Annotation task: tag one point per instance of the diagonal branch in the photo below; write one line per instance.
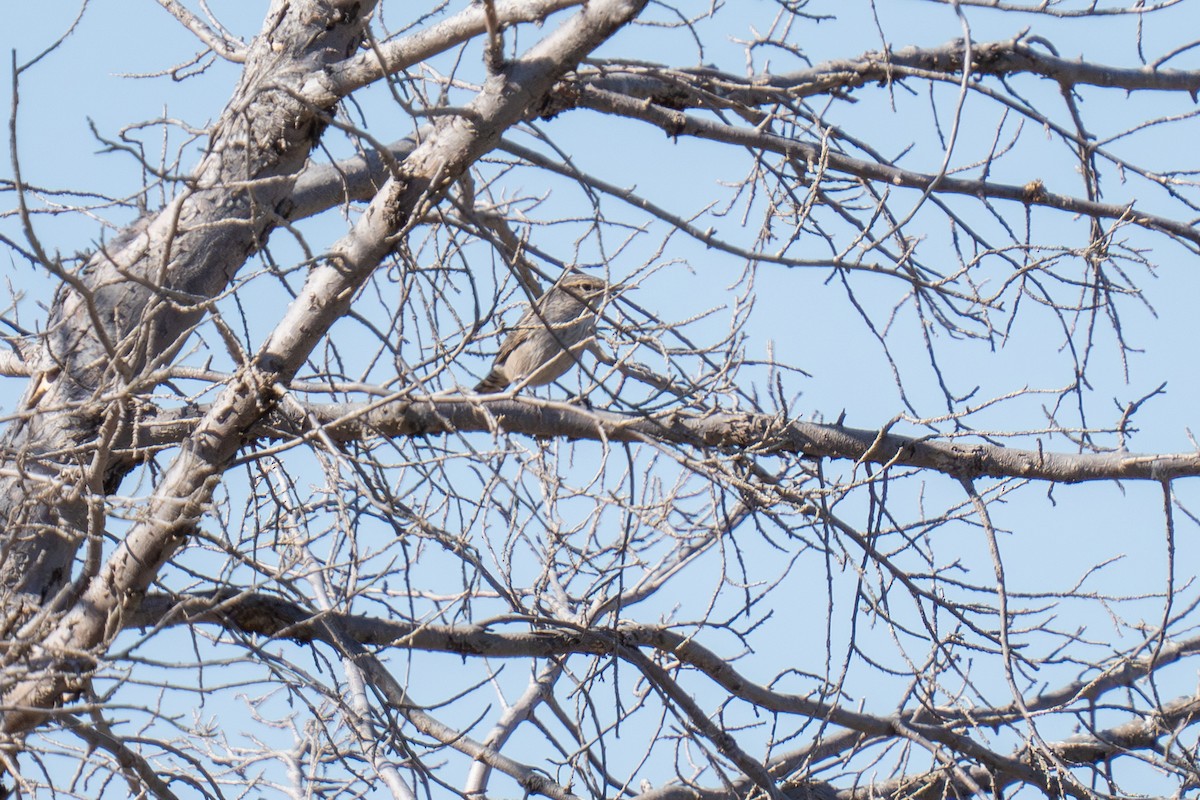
(1033, 193)
(139, 297)
(186, 489)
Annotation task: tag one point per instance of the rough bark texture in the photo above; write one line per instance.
(711, 592)
(186, 489)
(136, 300)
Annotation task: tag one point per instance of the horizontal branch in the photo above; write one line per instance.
(701, 87)
(747, 432)
(185, 489)
(1018, 56)
(1001, 59)
(276, 617)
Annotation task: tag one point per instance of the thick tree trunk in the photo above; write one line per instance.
(184, 491)
(138, 298)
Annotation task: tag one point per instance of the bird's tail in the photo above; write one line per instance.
(494, 382)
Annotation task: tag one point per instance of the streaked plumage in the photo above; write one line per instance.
(550, 337)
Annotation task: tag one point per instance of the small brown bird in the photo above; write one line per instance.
(551, 335)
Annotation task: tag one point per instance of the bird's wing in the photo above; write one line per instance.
(517, 334)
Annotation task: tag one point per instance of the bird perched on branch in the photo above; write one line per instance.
(551, 336)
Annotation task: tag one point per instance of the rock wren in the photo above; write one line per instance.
(551, 336)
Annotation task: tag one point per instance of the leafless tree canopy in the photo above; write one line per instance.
(876, 482)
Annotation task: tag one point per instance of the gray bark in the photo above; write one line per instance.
(137, 299)
(183, 494)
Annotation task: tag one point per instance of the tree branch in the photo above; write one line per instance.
(182, 497)
(1033, 193)
(743, 432)
(278, 618)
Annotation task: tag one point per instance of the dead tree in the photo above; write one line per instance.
(838, 504)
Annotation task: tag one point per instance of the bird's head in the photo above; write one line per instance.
(588, 287)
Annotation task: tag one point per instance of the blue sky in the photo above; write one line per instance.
(800, 315)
